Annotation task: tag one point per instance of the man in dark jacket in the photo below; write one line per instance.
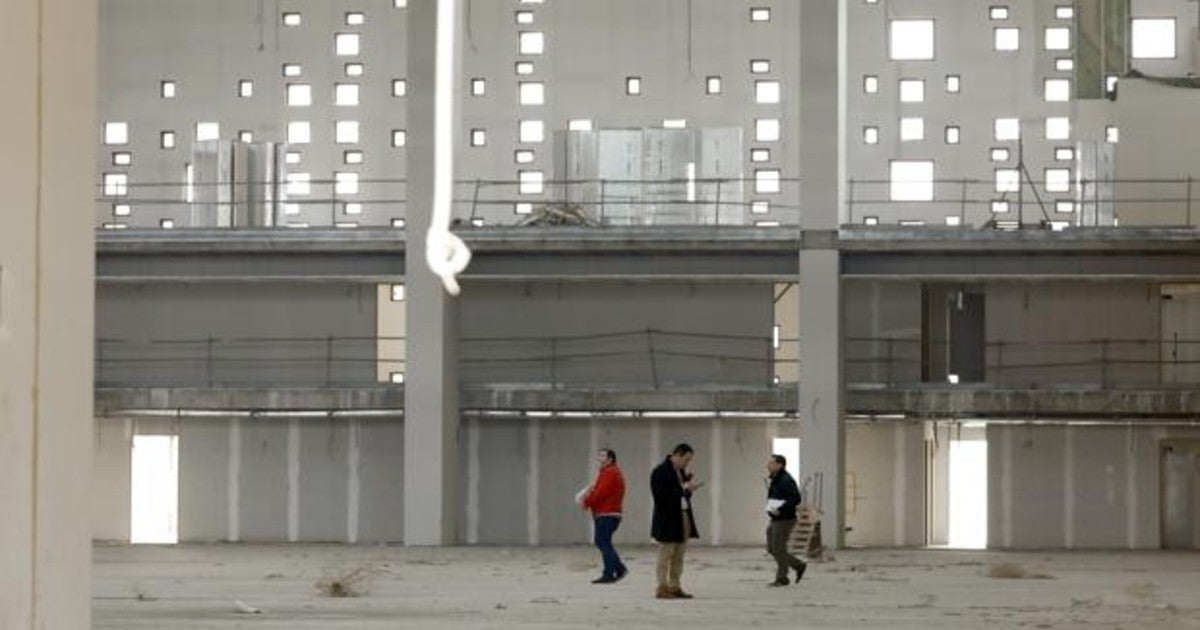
(674, 522)
(783, 497)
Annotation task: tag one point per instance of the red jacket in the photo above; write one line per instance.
(608, 493)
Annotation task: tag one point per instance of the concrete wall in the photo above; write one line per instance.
(1045, 332)
(1040, 321)
(319, 480)
(300, 479)
(1161, 146)
(1080, 487)
(722, 333)
(875, 310)
(207, 47)
(993, 85)
(110, 479)
(521, 476)
(885, 485)
(265, 334)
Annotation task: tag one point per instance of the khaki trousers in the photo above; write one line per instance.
(670, 558)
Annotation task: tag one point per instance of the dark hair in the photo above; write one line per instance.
(683, 449)
(609, 453)
(780, 459)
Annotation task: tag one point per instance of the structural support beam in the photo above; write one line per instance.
(431, 397)
(46, 286)
(822, 170)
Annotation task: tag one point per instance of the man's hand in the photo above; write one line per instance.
(774, 512)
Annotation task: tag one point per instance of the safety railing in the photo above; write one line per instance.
(647, 358)
(218, 361)
(1012, 203)
(1103, 362)
(761, 202)
(528, 201)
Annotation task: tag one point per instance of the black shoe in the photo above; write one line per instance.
(605, 579)
(780, 582)
(800, 571)
(622, 572)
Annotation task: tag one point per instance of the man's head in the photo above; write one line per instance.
(681, 456)
(776, 463)
(606, 456)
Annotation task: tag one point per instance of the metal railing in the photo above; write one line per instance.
(960, 203)
(477, 203)
(648, 358)
(981, 203)
(1104, 362)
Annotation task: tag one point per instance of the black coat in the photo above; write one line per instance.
(667, 489)
(783, 487)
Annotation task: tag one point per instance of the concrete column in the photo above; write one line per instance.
(822, 173)
(47, 121)
(431, 457)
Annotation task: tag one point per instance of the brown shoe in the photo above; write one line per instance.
(664, 593)
(679, 594)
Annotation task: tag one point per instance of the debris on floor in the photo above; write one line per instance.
(352, 582)
(246, 609)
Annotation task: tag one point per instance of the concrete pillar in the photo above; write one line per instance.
(431, 457)
(822, 173)
(48, 126)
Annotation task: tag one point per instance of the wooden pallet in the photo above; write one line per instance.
(806, 536)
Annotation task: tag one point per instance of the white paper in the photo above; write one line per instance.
(582, 494)
(774, 504)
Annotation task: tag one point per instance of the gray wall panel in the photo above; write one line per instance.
(503, 482)
(137, 319)
(1099, 482)
(563, 459)
(381, 480)
(110, 479)
(542, 310)
(264, 481)
(323, 480)
(203, 480)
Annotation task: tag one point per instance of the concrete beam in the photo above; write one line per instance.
(976, 401)
(682, 253)
(908, 401)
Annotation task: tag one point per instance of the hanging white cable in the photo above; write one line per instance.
(446, 254)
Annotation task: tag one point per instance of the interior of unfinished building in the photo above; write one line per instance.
(315, 313)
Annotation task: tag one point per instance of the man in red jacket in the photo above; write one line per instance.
(604, 499)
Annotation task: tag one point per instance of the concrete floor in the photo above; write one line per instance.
(196, 587)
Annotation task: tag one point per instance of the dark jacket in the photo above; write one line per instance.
(666, 486)
(784, 487)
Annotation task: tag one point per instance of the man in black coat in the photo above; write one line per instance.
(783, 497)
(674, 522)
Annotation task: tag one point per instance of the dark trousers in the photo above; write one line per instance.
(778, 533)
(606, 526)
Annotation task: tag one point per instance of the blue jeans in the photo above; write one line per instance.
(606, 526)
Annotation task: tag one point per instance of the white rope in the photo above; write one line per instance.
(446, 253)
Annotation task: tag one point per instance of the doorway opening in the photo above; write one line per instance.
(154, 490)
(968, 493)
(789, 448)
